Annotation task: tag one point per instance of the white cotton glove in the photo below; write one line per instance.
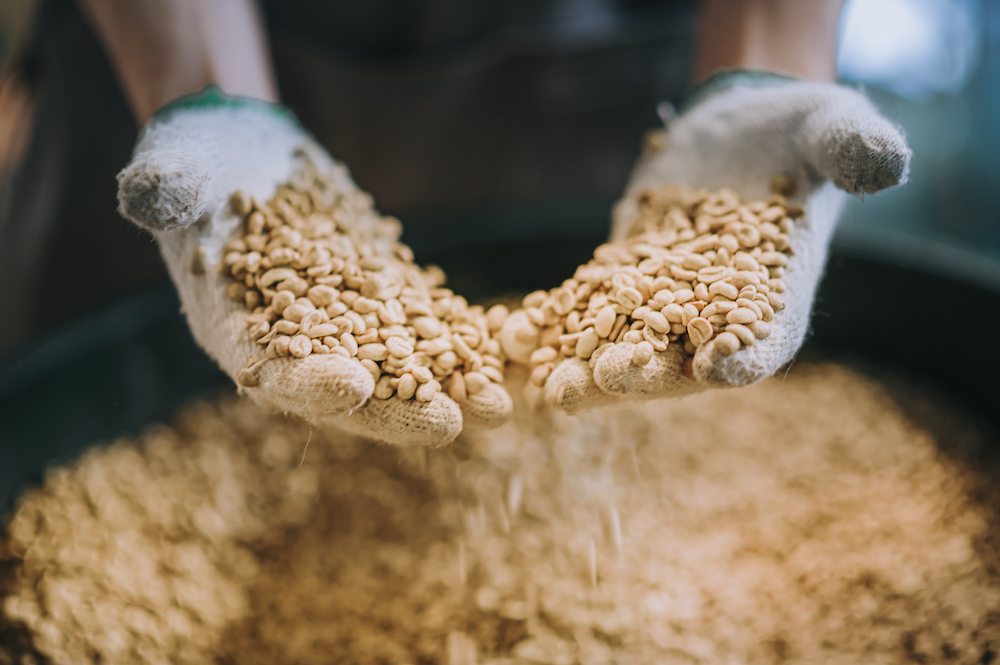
(741, 130)
(190, 158)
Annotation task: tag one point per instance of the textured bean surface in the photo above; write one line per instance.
(692, 255)
(801, 521)
(307, 273)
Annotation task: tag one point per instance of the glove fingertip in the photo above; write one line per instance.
(489, 408)
(662, 375)
(163, 190)
(867, 158)
(406, 423)
(314, 387)
(748, 365)
(571, 387)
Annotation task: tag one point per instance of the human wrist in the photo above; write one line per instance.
(164, 49)
(788, 36)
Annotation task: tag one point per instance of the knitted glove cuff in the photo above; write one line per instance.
(726, 79)
(213, 97)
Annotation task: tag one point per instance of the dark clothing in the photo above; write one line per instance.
(451, 103)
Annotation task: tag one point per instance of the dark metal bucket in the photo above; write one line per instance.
(895, 301)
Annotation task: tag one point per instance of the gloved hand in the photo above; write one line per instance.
(190, 159)
(740, 130)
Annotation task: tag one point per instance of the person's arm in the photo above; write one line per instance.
(795, 37)
(162, 49)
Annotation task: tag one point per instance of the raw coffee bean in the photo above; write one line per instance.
(659, 341)
(773, 259)
(322, 330)
(258, 330)
(744, 261)
(629, 298)
(745, 334)
(682, 296)
(724, 289)
(447, 360)
(300, 346)
(657, 322)
(426, 391)
(456, 388)
(492, 373)
(383, 388)
(295, 312)
(422, 374)
(767, 313)
(741, 315)
(245, 376)
(744, 278)
(348, 342)
(475, 382)
(699, 331)
(760, 329)
(643, 354)
(722, 307)
(399, 347)
(633, 337)
(727, 343)
(372, 368)
(587, 344)
(374, 351)
(776, 302)
(619, 326)
(545, 354)
(674, 313)
(407, 386)
(661, 299)
(322, 296)
(495, 317)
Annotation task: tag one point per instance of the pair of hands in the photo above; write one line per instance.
(742, 129)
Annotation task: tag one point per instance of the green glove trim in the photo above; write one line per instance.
(727, 79)
(212, 97)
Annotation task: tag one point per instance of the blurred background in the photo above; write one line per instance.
(481, 122)
(934, 67)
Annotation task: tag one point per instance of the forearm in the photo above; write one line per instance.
(162, 49)
(791, 36)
